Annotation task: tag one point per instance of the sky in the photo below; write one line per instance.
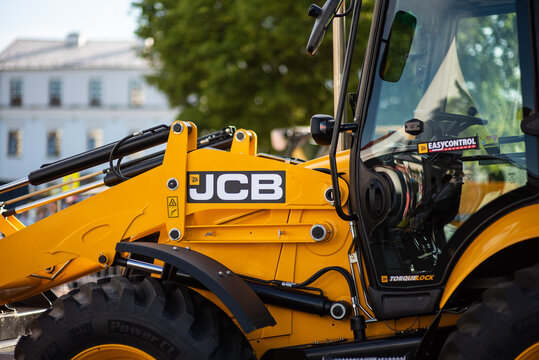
(54, 19)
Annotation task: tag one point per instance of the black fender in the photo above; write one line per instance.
(236, 295)
(432, 340)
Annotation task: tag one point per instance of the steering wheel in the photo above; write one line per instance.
(451, 125)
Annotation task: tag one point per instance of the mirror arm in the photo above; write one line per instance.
(340, 110)
(348, 11)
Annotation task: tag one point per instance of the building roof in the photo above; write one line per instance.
(72, 53)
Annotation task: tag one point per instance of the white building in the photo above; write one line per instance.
(63, 97)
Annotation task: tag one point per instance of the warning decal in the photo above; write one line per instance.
(447, 145)
(172, 206)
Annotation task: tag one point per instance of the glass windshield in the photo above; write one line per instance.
(463, 91)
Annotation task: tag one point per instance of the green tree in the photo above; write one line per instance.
(239, 63)
(489, 58)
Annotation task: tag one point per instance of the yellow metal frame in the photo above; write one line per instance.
(520, 225)
(264, 240)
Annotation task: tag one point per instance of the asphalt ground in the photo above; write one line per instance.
(6, 349)
(7, 355)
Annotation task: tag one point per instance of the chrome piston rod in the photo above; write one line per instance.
(14, 185)
(53, 198)
(39, 192)
(139, 265)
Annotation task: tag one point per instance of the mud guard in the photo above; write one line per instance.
(236, 295)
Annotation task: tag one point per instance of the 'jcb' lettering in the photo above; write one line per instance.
(266, 186)
(244, 187)
(195, 195)
(234, 181)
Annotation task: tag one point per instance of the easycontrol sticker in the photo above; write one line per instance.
(447, 145)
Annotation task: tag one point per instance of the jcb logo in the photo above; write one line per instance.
(242, 187)
(194, 179)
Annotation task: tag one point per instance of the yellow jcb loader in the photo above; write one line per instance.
(419, 241)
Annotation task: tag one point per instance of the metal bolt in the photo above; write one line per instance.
(329, 196)
(103, 258)
(177, 128)
(338, 311)
(220, 273)
(175, 248)
(188, 248)
(240, 135)
(319, 232)
(174, 234)
(229, 273)
(172, 184)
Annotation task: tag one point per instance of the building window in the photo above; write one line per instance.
(95, 92)
(15, 91)
(95, 138)
(53, 143)
(136, 93)
(55, 92)
(14, 143)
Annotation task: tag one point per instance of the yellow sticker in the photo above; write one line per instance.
(71, 178)
(384, 278)
(194, 179)
(172, 206)
(489, 141)
(422, 148)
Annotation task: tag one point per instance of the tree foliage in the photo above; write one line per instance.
(239, 63)
(489, 57)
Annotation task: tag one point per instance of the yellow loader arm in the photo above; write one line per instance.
(82, 238)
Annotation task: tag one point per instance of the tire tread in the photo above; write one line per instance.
(198, 328)
(487, 329)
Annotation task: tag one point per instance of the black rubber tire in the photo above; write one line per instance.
(162, 319)
(502, 325)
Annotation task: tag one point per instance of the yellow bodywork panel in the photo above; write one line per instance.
(10, 225)
(190, 192)
(75, 238)
(520, 225)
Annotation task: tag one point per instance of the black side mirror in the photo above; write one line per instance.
(530, 125)
(398, 46)
(322, 128)
(323, 15)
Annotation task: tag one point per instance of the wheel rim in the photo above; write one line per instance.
(530, 353)
(113, 351)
